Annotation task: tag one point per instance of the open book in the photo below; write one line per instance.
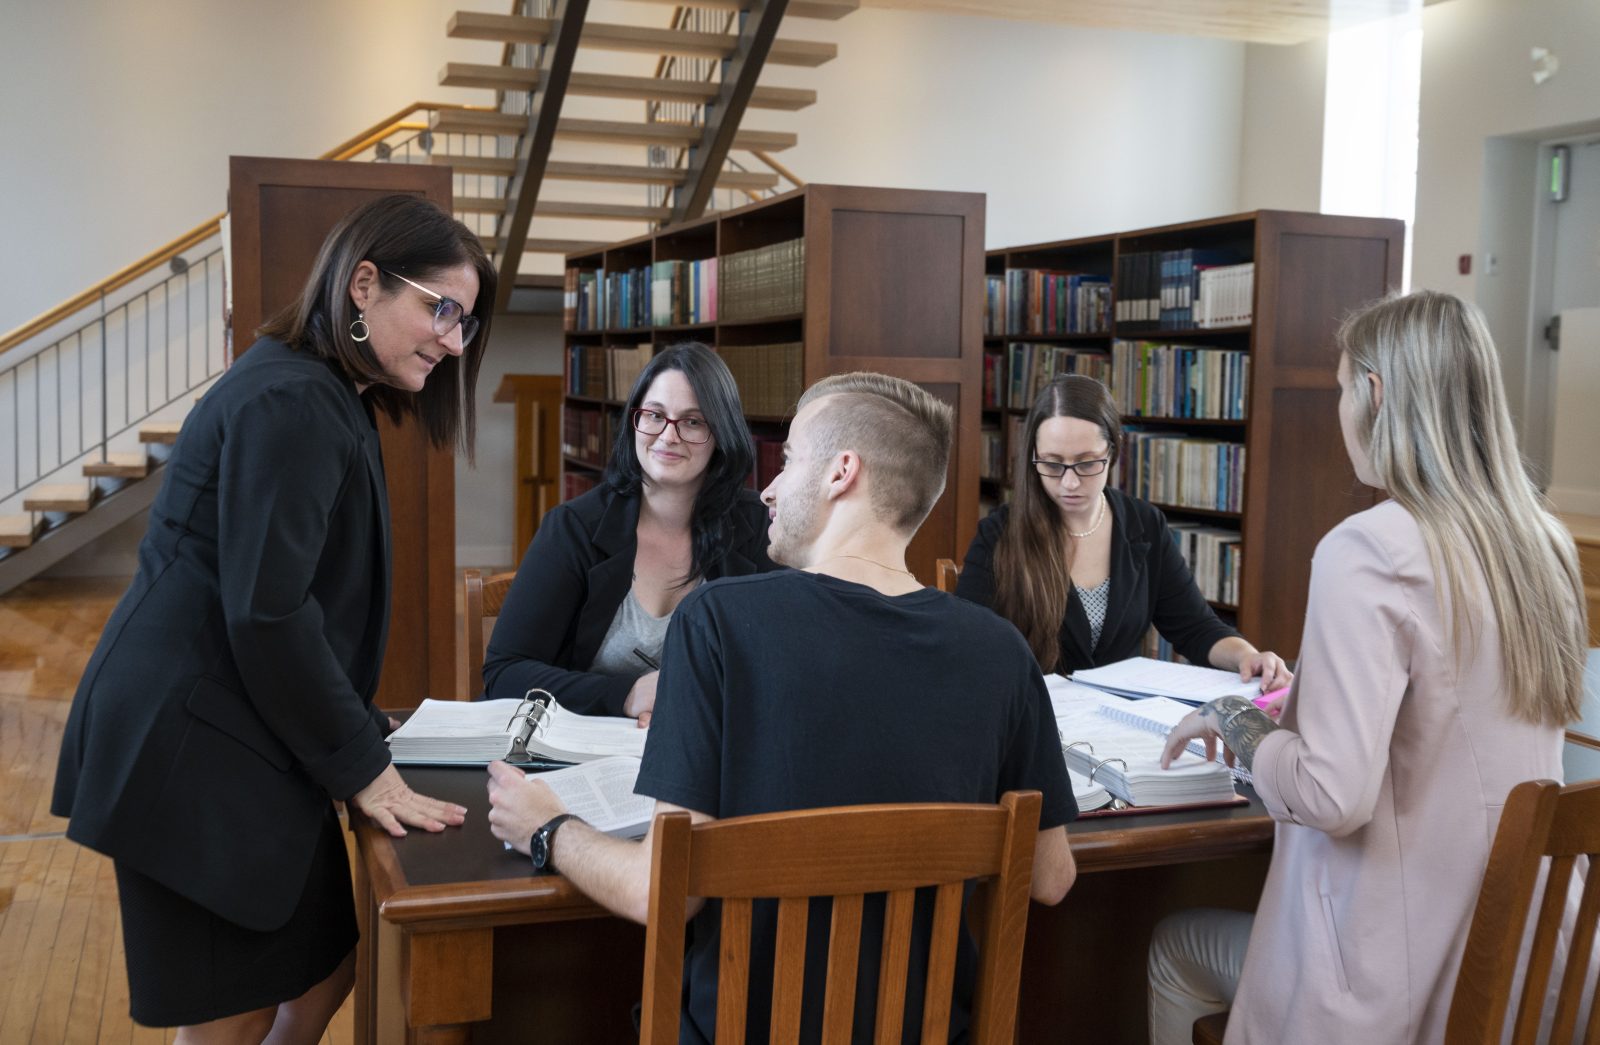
(1143, 677)
(601, 792)
(533, 731)
(1126, 759)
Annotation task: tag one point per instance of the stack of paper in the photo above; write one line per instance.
(453, 732)
(1144, 677)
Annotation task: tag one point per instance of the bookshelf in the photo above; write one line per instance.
(822, 280)
(1233, 426)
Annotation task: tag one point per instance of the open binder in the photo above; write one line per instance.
(534, 731)
(1125, 758)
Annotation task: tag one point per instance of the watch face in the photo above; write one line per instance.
(539, 849)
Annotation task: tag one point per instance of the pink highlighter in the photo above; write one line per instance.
(1267, 698)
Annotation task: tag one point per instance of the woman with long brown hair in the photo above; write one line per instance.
(1083, 570)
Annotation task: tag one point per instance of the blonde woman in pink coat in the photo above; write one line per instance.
(1443, 653)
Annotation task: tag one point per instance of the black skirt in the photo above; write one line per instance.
(187, 965)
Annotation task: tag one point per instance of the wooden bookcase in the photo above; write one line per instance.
(1310, 269)
(892, 283)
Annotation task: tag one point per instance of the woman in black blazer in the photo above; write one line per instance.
(1084, 571)
(605, 571)
(229, 701)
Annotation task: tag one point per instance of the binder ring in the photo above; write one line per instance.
(536, 711)
(1078, 743)
(1102, 762)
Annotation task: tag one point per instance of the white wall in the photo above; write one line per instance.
(1477, 165)
(120, 119)
(1285, 89)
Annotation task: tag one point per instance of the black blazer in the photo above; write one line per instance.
(577, 571)
(1150, 584)
(230, 697)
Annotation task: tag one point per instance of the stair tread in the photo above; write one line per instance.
(17, 531)
(132, 465)
(74, 496)
(159, 431)
(468, 121)
(480, 25)
(828, 9)
(573, 171)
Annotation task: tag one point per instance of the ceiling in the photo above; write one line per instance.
(1256, 21)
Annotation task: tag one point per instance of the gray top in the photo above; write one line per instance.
(1094, 607)
(632, 628)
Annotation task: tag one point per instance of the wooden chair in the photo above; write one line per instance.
(1208, 1030)
(945, 573)
(845, 853)
(1541, 819)
(483, 599)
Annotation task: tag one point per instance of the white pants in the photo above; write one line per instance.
(1195, 960)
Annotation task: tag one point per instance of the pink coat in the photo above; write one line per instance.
(1387, 782)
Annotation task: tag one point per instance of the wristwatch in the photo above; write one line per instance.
(539, 845)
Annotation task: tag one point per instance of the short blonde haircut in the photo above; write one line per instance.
(1441, 443)
(901, 433)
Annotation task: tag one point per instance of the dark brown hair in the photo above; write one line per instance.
(410, 236)
(1032, 579)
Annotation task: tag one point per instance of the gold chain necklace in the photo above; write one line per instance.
(875, 562)
(1099, 517)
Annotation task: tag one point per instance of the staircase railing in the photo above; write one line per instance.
(138, 343)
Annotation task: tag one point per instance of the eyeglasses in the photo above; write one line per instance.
(690, 429)
(447, 312)
(1056, 469)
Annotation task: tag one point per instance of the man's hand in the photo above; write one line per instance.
(519, 805)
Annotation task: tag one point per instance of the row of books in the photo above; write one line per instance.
(1182, 471)
(605, 371)
(585, 436)
(993, 461)
(1161, 288)
(769, 462)
(1046, 301)
(1151, 379)
(576, 484)
(1226, 296)
(628, 295)
(1031, 366)
(770, 377)
(683, 292)
(764, 282)
(1214, 556)
(582, 295)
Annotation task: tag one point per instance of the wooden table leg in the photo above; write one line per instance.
(366, 954)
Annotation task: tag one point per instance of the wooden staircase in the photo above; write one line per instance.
(552, 139)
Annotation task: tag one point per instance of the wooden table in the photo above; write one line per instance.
(461, 942)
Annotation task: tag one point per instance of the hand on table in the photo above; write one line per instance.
(519, 805)
(1271, 669)
(392, 805)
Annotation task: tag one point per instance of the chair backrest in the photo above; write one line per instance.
(483, 599)
(945, 574)
(1541, 819)
(846, 853)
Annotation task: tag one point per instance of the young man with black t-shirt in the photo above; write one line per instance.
(840, 682)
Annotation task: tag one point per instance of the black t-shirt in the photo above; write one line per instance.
(794, 690)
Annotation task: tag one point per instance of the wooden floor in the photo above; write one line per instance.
(62, 977)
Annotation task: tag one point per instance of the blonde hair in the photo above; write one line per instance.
(901, 433)
(1442, 445)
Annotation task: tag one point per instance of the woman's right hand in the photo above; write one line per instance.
(391, 804)
(642, 699)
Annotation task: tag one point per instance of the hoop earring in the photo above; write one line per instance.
(359, 331)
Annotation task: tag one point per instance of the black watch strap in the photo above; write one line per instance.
(539, 845)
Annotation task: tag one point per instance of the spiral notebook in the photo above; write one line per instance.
(533, 731)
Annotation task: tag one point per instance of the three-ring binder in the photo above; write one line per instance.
(537, 710)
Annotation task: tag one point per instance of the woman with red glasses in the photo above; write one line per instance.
(1084, 570)
(587, 614)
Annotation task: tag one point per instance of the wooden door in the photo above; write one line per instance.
(281, 211)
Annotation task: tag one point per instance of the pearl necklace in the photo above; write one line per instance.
(1099, 517)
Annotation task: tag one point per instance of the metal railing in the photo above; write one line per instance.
(84, 376)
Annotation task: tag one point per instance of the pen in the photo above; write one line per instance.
(650, 662)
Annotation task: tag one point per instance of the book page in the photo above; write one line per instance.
(601, 792)
(1142, 676)
(451, 719)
